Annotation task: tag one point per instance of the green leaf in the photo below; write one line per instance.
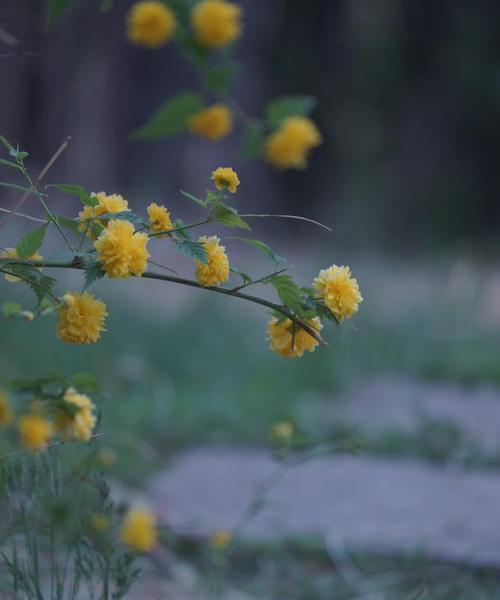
(253, 141)
(262, 247)
(171, 118)
(56, 8)
(229, 216)
(9, 309)
(72, 224)
(43, 287)
(288, 292)
(93, 271)
(288, 106)
(76, 190)
(246, 278)
(5, 142)
(31, 242)
(193, 249)
(219, 79)
(193, 198)
(85, 382)
(183, 233)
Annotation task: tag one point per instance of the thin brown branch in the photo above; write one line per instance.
(290, 217)
(285, 311)
(17, 214)
(37, 181)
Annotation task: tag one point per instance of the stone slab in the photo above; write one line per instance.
(361, 503)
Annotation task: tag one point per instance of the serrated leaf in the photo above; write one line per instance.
(262, 247)
(193, 249)
(85, 382)
(253, 141)
(288, 106)
(246, 278)
(31, 242)
(9, 309)
(57, 7)
(193, 198)
(183, 233)
(229, 216)
(219, 79)
(93, 271)
(72, 224)
(171, 118)
(76, 190)
(288, 292)
(43, 287)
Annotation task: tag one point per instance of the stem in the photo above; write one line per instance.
(260, 280)
(286, 312)
(291, 217)
(47, 210)
(17, 214)
(181, 228)
(38, 180)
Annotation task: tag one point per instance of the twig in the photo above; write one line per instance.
(17, 214)
(291, 217)
(219, 290)
(260, 280)
(180, 228)
(52, 445)
(37, 181)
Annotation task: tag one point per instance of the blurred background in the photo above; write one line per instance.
(407, 176)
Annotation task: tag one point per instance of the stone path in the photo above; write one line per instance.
(357, 502)
(396, 404)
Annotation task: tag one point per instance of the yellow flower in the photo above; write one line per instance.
(225, 178)
(220, 540)
(113, 203)
(99, 522)
(5, 410)
(213, 123)
(35, 432)
(107, 457)
(290, 144)
(77, 424)
(289, 339)
(122, 251)
(12, 253)
(150, 24)
(339, 291)
(159, 218)
(216, 271)
(216, 23)
(139, 531)
(282, 431)
(81, 318)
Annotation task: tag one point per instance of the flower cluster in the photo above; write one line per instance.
(121, 250)
(70, 414)
(112, 204)
(290, 145)
(139, 530)
(284, 136)
(216, 270)
(212, 123)
(288, 339)
(76, 418)
(81, 318)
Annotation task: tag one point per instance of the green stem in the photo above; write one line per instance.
(181, 228)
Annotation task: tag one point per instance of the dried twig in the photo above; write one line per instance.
(37, 181)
